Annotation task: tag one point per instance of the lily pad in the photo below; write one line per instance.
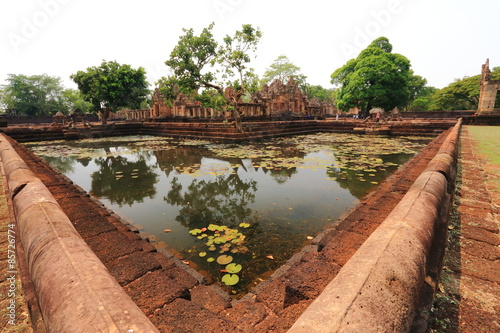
(210, 259)
(233, 268)
(230, 279)
(224, 259)
(220, 240)
(244, 225)
(194, 232)
(202, 254)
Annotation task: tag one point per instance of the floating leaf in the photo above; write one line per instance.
(230, 279)
(220, 240)
(202, 254)
(233, 268)
(244, 225)
(210, 259)
(224, 259)
(194, 232)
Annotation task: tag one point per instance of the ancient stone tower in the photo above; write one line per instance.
(489, 90)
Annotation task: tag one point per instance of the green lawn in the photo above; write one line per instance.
(488, 139)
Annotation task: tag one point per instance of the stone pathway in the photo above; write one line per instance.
(469, 297)
(480, 252)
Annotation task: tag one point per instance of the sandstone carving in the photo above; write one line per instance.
(489, 91)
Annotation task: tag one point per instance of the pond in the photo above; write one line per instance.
(235, 212)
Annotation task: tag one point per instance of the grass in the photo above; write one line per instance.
(488, 139)
(488, 142)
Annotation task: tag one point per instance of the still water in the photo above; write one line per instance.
(253, 205)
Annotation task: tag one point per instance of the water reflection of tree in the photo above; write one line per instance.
(282, 175)
(222, 201)
(123, 181)
(62, 163)
(350, 179)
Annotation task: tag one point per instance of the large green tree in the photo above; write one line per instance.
(282, 68)
(461, 94)
(424, 99)
(36, 95)
(73, 100)
(320, 93)
(200, 62)
(376, 78)
(112, 86)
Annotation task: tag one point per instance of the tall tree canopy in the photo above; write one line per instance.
(36, 95)
(201, 62)
(376, 78)
(462, 94)
(320, 93)
(424, 99)
(282, 68)
(113, 86)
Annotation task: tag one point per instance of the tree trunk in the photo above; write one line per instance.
(104, 116)
(237, 121)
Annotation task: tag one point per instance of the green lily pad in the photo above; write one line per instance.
(220, 240)
(210, 259)
(194, 232)
(244, 225)
(233, 268)
(224, 259)
(230, 279)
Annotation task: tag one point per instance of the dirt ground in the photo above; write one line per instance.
(469, 291)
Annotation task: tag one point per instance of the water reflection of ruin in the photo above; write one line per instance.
(190, 160)
(277, 100)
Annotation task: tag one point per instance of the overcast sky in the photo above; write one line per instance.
(443, 39)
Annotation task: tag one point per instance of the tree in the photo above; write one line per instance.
(281, 69)
(461, 94)
(73, 100)
(376, 78)
(200, 62)
(112, 86)
(36, 95)
(424, 99)
(320, 93)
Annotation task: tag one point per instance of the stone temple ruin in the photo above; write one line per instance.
(275, 101)
(489, 91)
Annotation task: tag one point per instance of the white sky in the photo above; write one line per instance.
(443, 39)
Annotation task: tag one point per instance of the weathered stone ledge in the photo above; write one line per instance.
(74, 290)
(379, 288)
(226, 132)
